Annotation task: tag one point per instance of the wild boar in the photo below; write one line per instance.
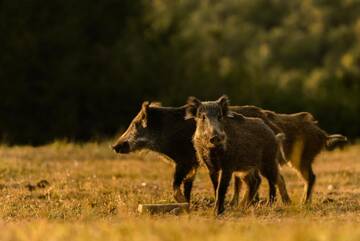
(164, 130)
(228, 142)
(304, 141)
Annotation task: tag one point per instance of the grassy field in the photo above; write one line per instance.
(66, 191)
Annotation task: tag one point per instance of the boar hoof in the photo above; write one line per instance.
(219, 211)
(306, 201)
(234, 202)
(286, 201)
(179, 197)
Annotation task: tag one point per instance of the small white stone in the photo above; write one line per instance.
(143, 184)
(330, 187)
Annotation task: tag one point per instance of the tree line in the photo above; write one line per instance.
(80, 69)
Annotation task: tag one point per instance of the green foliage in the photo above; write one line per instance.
(80, 69)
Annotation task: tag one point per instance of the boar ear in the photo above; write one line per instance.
(306, 116)
(155, 104)
(223, 101)
(192, 106)
(144, 108)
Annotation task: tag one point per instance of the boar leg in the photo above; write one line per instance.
(188, 183)
(308, 175)
(254, 188)
(283, 191)
(214, 177)
(253, 181)
(272, 191)
(180, 173)
(237, 187)
(271, 173)
(221, 191)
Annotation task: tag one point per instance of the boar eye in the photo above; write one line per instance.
(203, 117)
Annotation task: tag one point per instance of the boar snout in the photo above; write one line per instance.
(217, 140)
(122, 147)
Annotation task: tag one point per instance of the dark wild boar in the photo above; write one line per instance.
(164, 130)
(229, 143)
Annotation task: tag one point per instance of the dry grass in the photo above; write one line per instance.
(93, 195)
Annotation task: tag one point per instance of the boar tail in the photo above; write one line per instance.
(335, 140)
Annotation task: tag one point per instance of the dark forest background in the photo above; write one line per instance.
(80, 69)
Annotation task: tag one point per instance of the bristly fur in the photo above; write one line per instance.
(250, 145)
(171, 135)
(304, 140)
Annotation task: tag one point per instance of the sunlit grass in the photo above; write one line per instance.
(93, 195)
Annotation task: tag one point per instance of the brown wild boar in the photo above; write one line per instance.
(228, 143)
(304, 141)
